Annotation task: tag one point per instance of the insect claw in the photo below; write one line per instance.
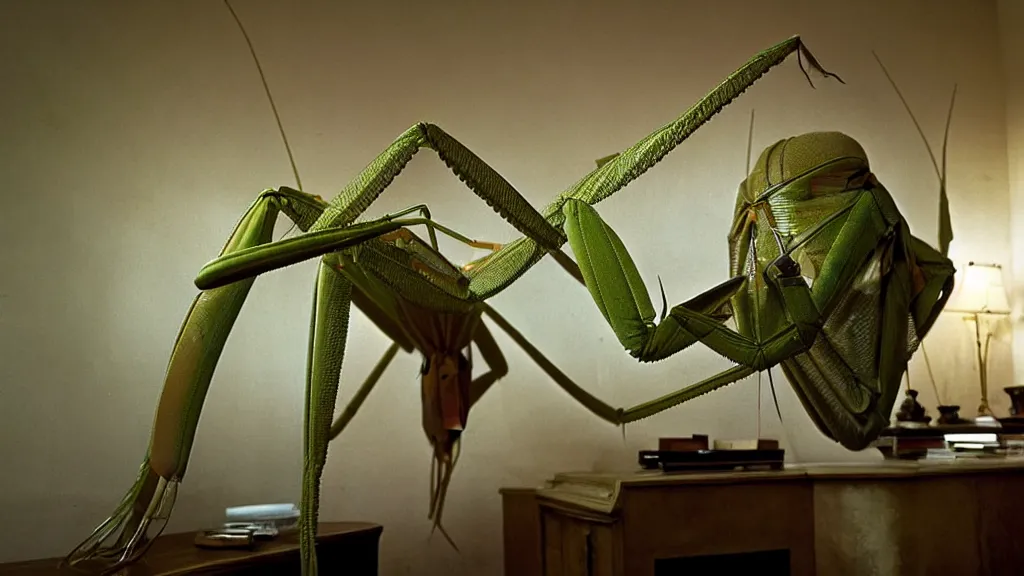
(602, 161)
(437, 526)
(813, 62)
(800, 62)
(664, 300)
(771, 384)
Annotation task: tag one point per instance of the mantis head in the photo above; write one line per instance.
(445, 382)
(445, 389)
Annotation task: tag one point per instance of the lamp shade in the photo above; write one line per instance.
(981, 291)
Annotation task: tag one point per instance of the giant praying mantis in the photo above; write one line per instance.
(827, 281)
(402, 283)
(811, 210)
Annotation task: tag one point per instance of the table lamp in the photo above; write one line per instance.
(981, 295)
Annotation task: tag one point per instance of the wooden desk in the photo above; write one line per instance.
(348, 548)
(893, 518)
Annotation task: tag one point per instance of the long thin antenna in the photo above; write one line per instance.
(263, 78)
(912, 117)
(771, 384)
(746, 174)
(945, 137)
(945, 225)
(750, 142)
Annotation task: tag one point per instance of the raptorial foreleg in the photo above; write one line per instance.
(620, 294)
(866, 234)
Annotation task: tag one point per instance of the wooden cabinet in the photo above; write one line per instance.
(893, 518)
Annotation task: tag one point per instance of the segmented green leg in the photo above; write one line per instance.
(497, 366)
(483, 180)
(251, 262)
(614, 173)
(195, 354)
(400, 340)
(600, 408)
(258, 260)
(328, 332)
(588, 400)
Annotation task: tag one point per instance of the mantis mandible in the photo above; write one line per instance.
(402, 283)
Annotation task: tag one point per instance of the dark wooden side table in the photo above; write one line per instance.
(349, 548)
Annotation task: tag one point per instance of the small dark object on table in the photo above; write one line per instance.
(950, 415)
(237, 539)
(911, 410)
(1016, 394)
(708, 460)
(898, 442)
(694, 454)
(695, 442)
(1012, 424)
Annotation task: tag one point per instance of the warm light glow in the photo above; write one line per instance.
(981, 291)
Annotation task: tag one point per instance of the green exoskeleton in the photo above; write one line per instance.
(827, 282)
(415, 295)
